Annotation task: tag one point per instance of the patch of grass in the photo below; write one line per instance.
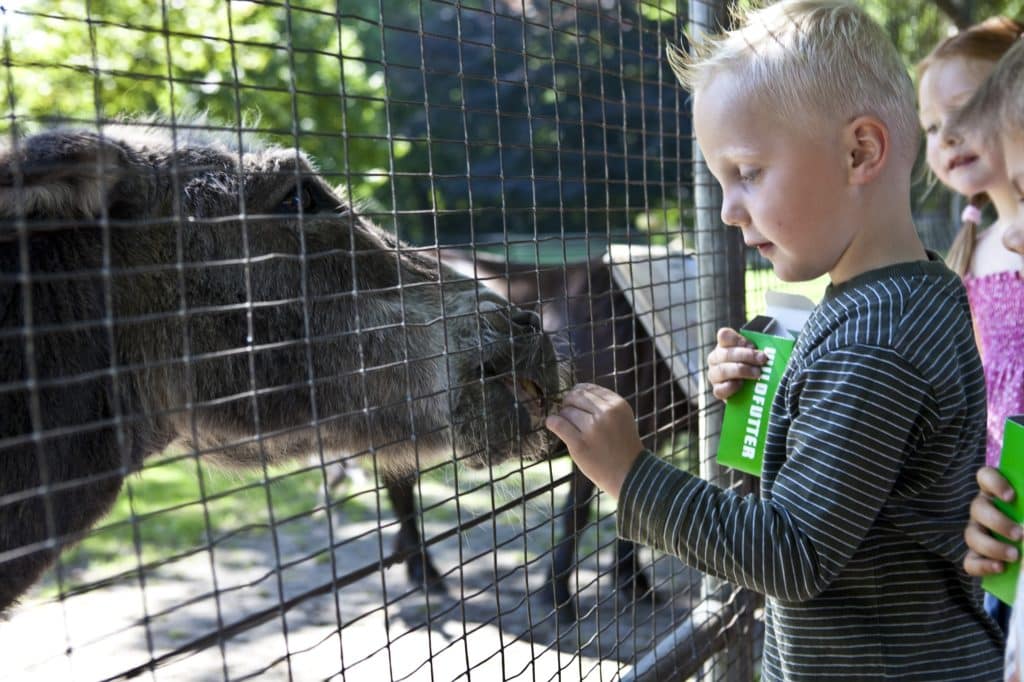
(176, 505)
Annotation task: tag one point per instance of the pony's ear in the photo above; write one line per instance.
(60, 175)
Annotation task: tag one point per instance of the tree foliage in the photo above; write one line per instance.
(916, 26)
(540, 117)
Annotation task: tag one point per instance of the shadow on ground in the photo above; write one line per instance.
(494, 623)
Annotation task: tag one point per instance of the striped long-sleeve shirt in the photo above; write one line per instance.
(875, 434)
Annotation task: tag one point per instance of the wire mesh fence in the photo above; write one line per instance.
(288, 289)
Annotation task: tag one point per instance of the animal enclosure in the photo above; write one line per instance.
(287, 291)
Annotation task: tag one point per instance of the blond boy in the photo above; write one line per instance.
(805, 115)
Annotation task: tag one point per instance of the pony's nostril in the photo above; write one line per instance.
(527, 318)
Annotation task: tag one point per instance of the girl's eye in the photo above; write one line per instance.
(931, 130)
(749, 175)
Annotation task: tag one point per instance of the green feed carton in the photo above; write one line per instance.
(1011, 465)
(745, 423)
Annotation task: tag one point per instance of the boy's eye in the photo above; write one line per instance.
(931, 129)
(749, 175)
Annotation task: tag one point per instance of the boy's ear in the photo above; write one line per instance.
(867, 144)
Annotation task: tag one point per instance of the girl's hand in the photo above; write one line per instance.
(985, 554)
(732, 361)
(598, 427)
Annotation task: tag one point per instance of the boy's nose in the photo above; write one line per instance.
(733, 213)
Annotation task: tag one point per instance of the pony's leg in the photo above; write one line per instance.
(574, 515)
(629, 575)
(419, 566)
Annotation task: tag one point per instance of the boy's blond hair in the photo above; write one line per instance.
(809, 61)
(998, 105)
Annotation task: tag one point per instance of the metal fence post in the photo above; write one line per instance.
(721, 294)
(716, 641)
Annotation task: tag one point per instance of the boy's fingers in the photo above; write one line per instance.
(725, 389)
(599, 396)
(580, 419)
(730, 371)
(730, 337)
(565, 430)
(593, 399)
(993, 484)
(736, 355)
(580, 399)
(592, 393)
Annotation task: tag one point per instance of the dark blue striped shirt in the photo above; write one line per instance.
(874, 437)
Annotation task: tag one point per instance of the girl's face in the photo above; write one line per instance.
(1013, 152)
(964, 162)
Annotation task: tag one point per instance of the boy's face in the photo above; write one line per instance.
(1013, 153)
(783, 185)
(962, 160)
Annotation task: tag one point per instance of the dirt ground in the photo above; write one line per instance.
(493, 624)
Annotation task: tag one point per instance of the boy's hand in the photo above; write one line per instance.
(734, 359)
(598, 427)
(986, 554)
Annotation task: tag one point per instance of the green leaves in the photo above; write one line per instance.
(564, 120)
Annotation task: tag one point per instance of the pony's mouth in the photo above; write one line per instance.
(530, 395)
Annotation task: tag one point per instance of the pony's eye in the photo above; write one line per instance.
(298, 198)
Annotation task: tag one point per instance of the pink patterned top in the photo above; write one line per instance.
(997, 304)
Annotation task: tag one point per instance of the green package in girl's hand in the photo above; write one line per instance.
(1011, 466)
